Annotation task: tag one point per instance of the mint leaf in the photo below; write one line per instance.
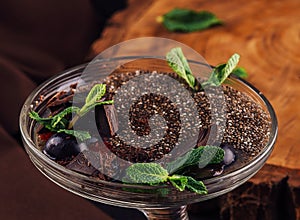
(240, 72)
(196, 186)
(146, 173)
(94, 96)
(59, 118)
(93, 99)
(56, 122)
(179, 64)
(189, 159)
(187, 182)
(46, 122)
(211, 155)
(186, 20)
(34, 115)
(178, 181)
(81, 135)
(201, 156)
(222, 71)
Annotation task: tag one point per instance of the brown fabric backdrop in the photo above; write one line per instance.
(37, 40)
(41, 38)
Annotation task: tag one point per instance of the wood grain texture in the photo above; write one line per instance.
(267, 36)
(273, 193)
(265, 33)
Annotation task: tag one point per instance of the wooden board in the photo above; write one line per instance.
(265, 33)
(267, 36)
(273, 193)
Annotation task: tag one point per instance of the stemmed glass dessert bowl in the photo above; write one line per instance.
(156, 202)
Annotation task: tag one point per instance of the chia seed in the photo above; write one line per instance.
(246, 124)
(160, 127)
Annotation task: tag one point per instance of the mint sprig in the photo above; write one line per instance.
(179, 64)
(93, 99)
(56, 122)
(147, 173)
(222, 71)
(153, 174)
(201, 156)
(59, 122)
(186, 20)
(240, 72)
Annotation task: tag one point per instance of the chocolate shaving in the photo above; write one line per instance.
(60, 98)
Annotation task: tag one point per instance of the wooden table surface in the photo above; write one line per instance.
(265, 33)
(267, 36)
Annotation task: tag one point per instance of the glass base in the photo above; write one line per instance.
(177, 213)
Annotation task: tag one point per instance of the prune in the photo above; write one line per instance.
(229, 156)
(60, 146)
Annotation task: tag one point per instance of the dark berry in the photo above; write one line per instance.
(60, 146)
(229, 156)
(205, 172)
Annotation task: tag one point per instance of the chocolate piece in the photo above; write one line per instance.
(97, 161)
(203, 137)
(106, 120)
(110, 113)
(82, 165)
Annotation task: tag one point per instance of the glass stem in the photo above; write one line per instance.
(177, 213)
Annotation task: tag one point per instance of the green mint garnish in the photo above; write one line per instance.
(186, 20)
(222, 71)
(46, 122)
(93, 99)
(59, 123)
(200, 156)
(178, 181)
(240, 72)
(153, 174)
(179, 64)
(60, 119)
(147, 173)
(196, 186)
(211, 155)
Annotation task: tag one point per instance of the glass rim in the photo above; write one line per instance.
(23, 122)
